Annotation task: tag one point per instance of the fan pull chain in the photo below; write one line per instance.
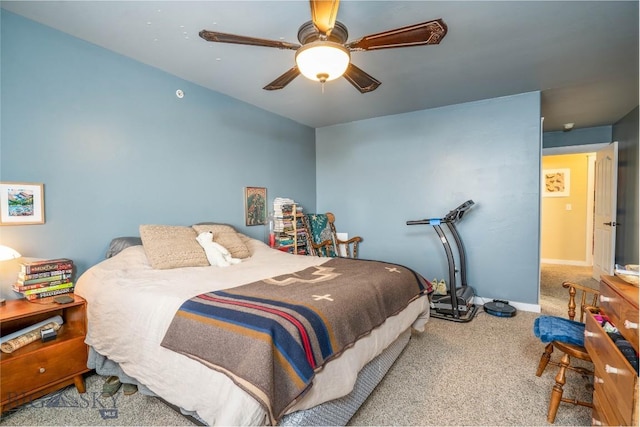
(322, 78)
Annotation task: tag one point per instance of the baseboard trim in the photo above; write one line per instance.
(565, 262)
(533, 308)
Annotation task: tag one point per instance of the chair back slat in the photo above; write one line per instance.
(584, 293)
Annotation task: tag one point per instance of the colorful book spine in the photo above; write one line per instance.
(44, 279)
(21, 288)
(49, 294)
(46, 265)
(46, 261)
(24, 276)
(48, 289)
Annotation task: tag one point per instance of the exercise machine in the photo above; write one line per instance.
(457, 305)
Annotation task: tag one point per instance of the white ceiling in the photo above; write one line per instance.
(583, 56)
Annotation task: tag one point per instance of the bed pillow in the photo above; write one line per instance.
(245, 239)
(172, 246)
(119, 243)
(225, 235)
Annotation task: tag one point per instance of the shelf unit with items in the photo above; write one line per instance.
(615, 395)
(40, 367)
(285, 228)
(290, 233)
(302, 237)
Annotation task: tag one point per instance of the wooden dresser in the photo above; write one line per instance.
(615, 396)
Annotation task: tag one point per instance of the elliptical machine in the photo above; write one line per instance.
(457, 305)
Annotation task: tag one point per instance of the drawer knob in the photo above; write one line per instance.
(630, 325)
(598, 380)
(611, 370)
(604, 298)
(42, 370)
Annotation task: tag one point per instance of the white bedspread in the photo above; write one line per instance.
(130, 306)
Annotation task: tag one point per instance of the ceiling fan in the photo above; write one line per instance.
(324, 55)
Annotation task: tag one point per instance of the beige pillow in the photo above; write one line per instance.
(172, 246)
(227, 236)
(245, 239)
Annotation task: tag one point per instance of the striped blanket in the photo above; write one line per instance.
(271, 337)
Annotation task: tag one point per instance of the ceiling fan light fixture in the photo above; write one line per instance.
(322, 61)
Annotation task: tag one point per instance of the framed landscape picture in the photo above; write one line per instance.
(21, 203)
(255, 205)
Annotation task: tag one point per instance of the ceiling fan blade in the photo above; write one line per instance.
(361, 80)
(430, 32)
(213, 36)
(283, 80)
(323, 14)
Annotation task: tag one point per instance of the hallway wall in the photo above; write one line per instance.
(564, 219)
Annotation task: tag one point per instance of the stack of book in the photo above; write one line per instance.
(282, 207)
(45, 278)
(284, 216)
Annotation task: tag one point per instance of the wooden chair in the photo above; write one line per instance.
(588, 301)
(323, 239)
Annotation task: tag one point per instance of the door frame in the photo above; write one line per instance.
(609, 186)
(581, 149)
(569, 149)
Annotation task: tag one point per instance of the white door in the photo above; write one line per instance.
(604, 234)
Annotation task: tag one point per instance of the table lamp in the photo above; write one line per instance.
(7, 254)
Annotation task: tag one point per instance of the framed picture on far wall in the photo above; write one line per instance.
(255, 205)
(21, 203)
(556, 182)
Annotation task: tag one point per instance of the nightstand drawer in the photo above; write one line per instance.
(33, 370)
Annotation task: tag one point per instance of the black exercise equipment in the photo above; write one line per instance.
(457, 305)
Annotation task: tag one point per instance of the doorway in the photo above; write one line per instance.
(567, 219)
(567, 215)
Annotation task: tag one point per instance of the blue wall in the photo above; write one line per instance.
(625, 132)
(377, 174)
(593, 135)
(115, 147)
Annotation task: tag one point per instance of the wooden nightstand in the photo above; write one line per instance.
(39, 368)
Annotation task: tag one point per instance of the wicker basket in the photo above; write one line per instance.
(629, 278)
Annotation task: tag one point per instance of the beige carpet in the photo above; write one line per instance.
(480, 373)
(467, 374)
(553, 297)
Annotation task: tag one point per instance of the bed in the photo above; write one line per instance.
(135, 330)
